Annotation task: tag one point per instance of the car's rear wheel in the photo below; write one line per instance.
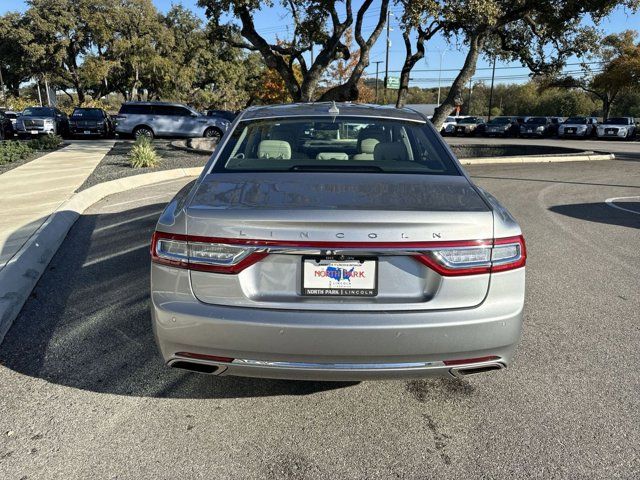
(143, 131)
(214, 133)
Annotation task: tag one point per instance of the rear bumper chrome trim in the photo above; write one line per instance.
(337, 366)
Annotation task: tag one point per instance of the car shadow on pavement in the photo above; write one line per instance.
(600, 212)
(87, 323)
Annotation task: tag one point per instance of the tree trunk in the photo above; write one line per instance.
(467, 71)
(409, 62)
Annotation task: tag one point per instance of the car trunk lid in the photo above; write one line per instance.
(372, 216)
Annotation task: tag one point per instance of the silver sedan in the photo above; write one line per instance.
(336, 242)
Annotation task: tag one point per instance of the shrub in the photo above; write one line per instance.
(48, 142)
(143, 155)
(12, 151)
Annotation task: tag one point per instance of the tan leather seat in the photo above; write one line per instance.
(274, 149)
(390, 152)
(332, 156)
(367, 146)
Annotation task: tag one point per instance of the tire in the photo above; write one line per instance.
(213, 132)
(143, 131)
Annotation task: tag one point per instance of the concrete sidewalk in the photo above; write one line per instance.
(32, 192)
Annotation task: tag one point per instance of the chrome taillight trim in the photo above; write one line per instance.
(425, 252)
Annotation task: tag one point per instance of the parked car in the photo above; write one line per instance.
(578, 127)
(449, 126)
(469, 126)
(537, 127)
(151, 119)
(555, 126)
(35, 121)
(11, 115)
(336, 259)
(6, 127)
(618, 127)
(91, 122)
(226, 114)
(502, 126)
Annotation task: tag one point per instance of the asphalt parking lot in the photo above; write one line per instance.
(85, 395)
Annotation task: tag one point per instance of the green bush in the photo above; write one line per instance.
(143, 155)
(48, 142)
(12, 151)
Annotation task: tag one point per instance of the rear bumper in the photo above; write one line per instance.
(330, 345)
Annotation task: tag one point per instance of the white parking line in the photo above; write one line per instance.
(124, 222)
(116, 254)
(164, 195)
(611, 203)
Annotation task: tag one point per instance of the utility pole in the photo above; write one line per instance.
(46, 86)
(440, 73)
(39, 94)
(377, 66)
(4, 95)
(493, 76)
(386, 62)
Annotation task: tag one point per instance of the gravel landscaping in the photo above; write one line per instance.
(115, 164)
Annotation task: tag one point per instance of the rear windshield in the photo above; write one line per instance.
(468, 120)
(92, 113)
(349, 144)
(500, 120)
(576, 120)
(39, 112)
(617, 121)
(537, 120)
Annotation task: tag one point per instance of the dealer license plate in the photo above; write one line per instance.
(34, 132)
(340, 276)
(87, 132)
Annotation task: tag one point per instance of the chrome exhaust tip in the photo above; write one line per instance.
(473, 369)
(197, 367)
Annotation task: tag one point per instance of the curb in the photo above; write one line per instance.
(22, 272)
(584, 157)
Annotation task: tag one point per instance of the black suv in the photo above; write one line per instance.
(86, 122)
(6, 126)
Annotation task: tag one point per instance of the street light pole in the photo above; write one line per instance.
(469, 99)
(493, 76)
(377, 66)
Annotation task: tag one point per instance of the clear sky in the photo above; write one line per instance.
(274, 22)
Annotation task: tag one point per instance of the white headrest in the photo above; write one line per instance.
(390, 152)
(367, 145)
(275, 149)
(332, 156)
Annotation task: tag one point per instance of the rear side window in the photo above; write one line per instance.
(134, 109)
(173, 110)
(335, 144)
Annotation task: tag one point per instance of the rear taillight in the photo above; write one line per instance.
(232, 255)
(186, 252)
(500, 255)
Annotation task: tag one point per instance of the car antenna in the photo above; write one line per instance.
(334, 109)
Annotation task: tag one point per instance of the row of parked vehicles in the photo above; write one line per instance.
(136, 119)
(537, 127)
